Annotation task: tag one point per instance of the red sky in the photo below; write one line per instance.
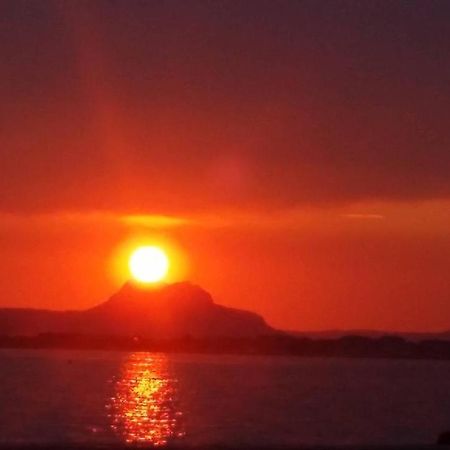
(300, 151)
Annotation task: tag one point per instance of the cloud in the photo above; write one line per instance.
(155, 221)
(361, 216)
(429, 217)
(88, 219)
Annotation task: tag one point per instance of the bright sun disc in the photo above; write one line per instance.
(148, 264)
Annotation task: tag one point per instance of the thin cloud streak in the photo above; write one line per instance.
(89, 218)
(427, 216)
(360, 216)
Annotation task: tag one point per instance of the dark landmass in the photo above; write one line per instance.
(335, 334)
(390, 347)
(167, 312)
(444, 438)
(183, 318)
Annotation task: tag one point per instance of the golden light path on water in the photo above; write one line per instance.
(143, 408)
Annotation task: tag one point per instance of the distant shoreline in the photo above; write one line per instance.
(385, 347)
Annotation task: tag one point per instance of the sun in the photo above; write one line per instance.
(148, 264)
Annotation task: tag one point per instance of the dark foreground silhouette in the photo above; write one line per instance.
(182, 317)
(166, 312)
(444, 438)
(349, 346)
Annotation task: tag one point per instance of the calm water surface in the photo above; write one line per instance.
(111, 397)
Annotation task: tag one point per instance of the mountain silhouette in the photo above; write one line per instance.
(169, 311)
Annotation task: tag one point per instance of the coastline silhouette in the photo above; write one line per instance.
(182, 317)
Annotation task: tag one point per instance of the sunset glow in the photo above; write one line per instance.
(224, 224)
(148, 264)
(286, 159)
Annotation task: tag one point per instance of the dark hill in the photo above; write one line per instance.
(169, 311)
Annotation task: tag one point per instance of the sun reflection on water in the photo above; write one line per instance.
(144, 408)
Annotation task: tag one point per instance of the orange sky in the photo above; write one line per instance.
(383, 267)
(297, 152)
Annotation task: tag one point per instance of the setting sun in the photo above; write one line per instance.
(148, 264)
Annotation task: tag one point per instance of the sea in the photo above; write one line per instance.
(86, 398)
